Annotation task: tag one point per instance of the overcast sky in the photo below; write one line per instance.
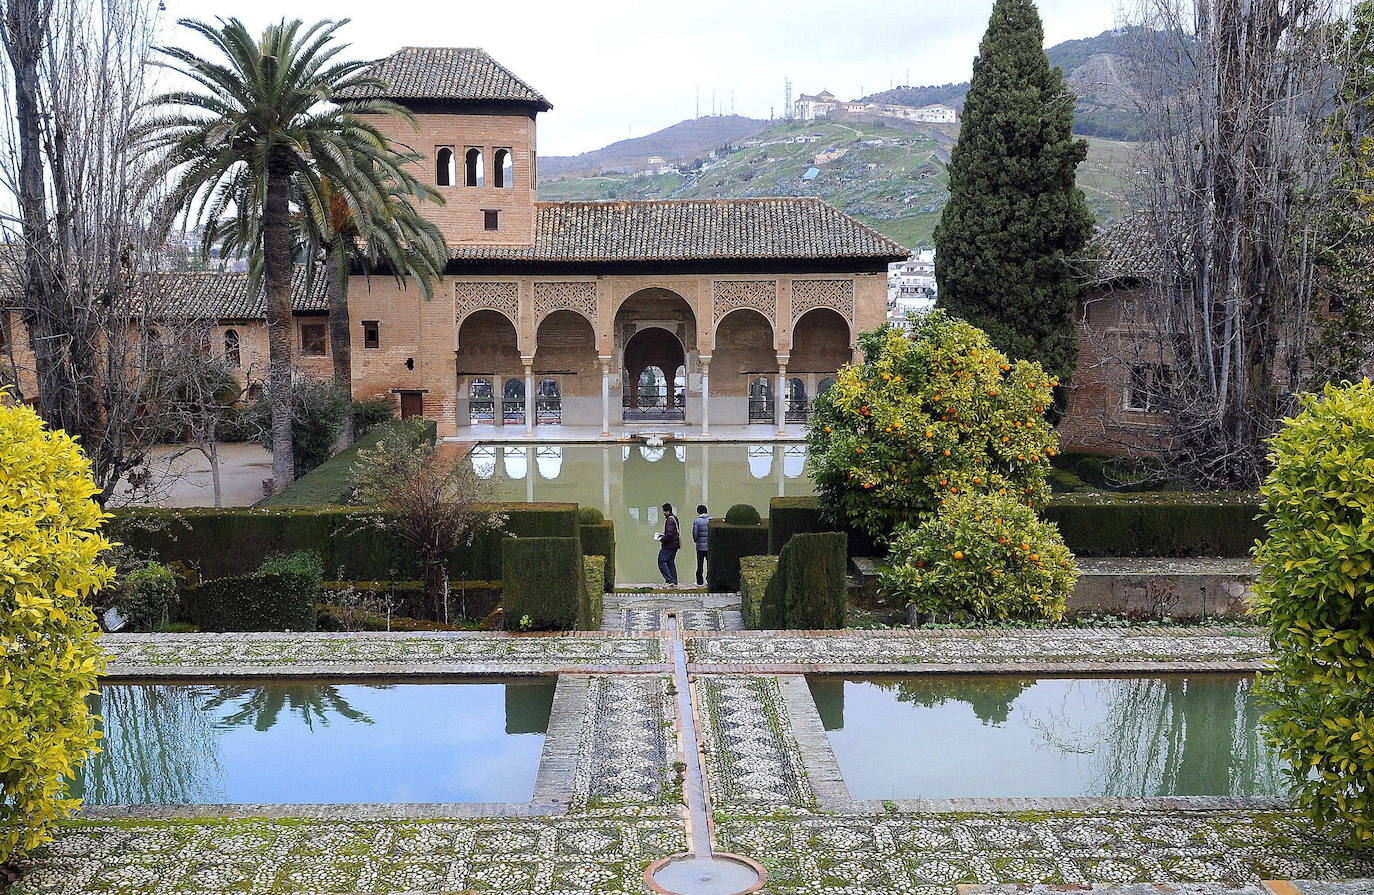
(618, 68)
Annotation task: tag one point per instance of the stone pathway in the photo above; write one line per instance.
(776, 796)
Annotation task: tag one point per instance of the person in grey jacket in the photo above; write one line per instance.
(701, 527)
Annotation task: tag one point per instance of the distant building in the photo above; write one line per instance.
(811, 174)
(911, 285)
(825, 105)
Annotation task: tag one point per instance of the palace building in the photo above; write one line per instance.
(600, 314)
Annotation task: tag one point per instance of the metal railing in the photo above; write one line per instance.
(513, 410)
(649, 406)
(548, 411)
(760, 410)
(482, 410)
(798, 410)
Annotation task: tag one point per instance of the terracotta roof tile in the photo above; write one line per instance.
(677, 230)
(462, 73)
(203, 296)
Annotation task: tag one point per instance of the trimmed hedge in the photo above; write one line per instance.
(227, 542)
(408, 597)
(726, 545)
(814, 586)
(1162, 523)
(743, 514)
(593, 594)
(759, 601)
(262, 601)
(333, 481)
(544, 579)
(598, 539)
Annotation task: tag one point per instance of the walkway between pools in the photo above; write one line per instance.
(673, 730)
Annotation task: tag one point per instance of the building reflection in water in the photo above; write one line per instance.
(629, 482)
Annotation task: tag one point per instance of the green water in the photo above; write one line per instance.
(313, 742)
(630, 482)
(937, 736)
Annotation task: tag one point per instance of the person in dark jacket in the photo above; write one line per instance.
(701, 528)
(669, 543)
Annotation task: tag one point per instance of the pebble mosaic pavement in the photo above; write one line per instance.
(625, 809)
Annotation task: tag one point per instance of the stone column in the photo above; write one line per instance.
(605, 396)
(779, 461)
(705, 394)
(780, 397)
(529, 396)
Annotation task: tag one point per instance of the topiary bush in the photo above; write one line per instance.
(743, 514)
(590, 516)
(759, 608)
(726, 545)
(929, 415)
(593, 602)
(599, 540)
(543, 582)
(814, 586)
(262, 601)
(1316, 595)
(50, 566)
(981, 557)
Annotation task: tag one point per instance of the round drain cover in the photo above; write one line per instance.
(720, 874)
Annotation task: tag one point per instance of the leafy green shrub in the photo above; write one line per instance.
(1165, 523)
(590, 516)
(1316, 595)
(145, 596)
(928, 416)
(50, 565)
(543, 580)
(743, 514)
(599, 540)
(982, 556)
(262, 601)
(318, 409)
(814, 586)
(726, 545)
(301, 562)
(593, 603)
(756, 574)
(371, 412)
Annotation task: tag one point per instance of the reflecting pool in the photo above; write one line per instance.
(938, 736)
(630, 482)
(312, 742)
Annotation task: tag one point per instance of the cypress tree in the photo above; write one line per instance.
(1015, 218)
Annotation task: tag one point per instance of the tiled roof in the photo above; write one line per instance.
(463, 73)
(1125, 251)
(692, 230)
(211, 296)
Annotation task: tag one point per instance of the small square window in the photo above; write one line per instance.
(490, 219)
(372, 337)
(312, 339)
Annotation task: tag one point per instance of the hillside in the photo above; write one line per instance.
(1096, 69)
(684, 140)
(891, 178)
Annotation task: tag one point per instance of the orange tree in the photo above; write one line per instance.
(931, 413)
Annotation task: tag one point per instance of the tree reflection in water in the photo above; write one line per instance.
(158, 747)
(261, 705)
(990, 697)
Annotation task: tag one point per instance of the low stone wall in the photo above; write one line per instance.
(1139, 587)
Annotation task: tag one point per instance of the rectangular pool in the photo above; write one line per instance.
(313, 742)
(994, 736)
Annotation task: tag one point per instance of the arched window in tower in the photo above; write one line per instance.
(444, 167)
(503, 168)
(473, 173)
(232, 353)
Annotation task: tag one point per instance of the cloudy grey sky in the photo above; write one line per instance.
(618, 68)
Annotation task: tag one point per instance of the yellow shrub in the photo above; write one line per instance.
(50, 548)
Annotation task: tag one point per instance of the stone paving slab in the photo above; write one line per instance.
(1268, 887)
(376, 653)
(932, 854)
(983, 650)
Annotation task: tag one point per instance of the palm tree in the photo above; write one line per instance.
(261, 132)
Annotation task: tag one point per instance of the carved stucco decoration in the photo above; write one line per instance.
(731, 295)
(837, 295)
(565, 296)
(501, 296)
